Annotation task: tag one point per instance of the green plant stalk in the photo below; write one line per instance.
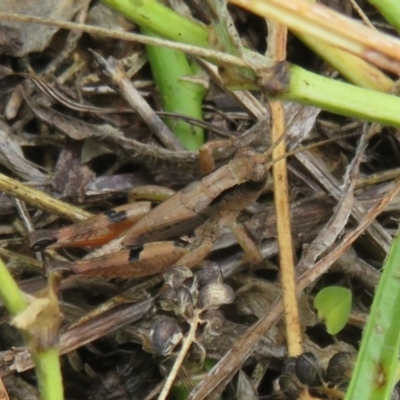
(390, 9)
(224, 37)
(161, 20)
(353, 68)
(375, 372)
(303, 86)
(171, 70)
(153, 15)
(48, 372)
(14, 300)
(47, 362)
(341, 98)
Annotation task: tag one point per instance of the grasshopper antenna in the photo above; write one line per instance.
(311, 146)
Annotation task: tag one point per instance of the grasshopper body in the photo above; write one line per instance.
(187, 208)
(215, 200)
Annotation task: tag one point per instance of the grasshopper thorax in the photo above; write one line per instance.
(249, 166)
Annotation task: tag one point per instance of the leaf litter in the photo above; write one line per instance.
(92, 159)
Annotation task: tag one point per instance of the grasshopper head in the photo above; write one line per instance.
(248, 165)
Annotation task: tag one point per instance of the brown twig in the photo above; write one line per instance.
(277, 50)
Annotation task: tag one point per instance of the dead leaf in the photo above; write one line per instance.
(27, 318)
(105, 17)
(93, 148)
(18, 39)
(18, 389)
(42, 318)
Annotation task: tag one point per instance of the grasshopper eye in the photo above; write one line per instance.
(42, 243)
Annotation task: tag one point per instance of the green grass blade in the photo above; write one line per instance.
(301, 85)
(161, 20)
(376, 367)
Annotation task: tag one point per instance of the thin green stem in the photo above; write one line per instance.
(161, 20)
(47, 366)
(14, 300)
(47, 360)
(302, 86)
(341, 98)
(172, 73)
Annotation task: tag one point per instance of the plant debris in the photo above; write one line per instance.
(79, 138)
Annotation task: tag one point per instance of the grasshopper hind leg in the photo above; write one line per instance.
(253, 254)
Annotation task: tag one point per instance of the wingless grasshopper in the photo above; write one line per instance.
(214, 200)
(154, 242)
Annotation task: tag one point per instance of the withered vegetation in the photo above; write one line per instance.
(66, 131)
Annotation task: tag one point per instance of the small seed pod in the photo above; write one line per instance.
(288, 381)
(167, 300)
(214, 322)
(308, 370)
(176, 276)
(289, 366)
(214, 295)
(290, 386)
(193, 286)
(209, 273)
(165, 335)
(185, 302)
(340, 368)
